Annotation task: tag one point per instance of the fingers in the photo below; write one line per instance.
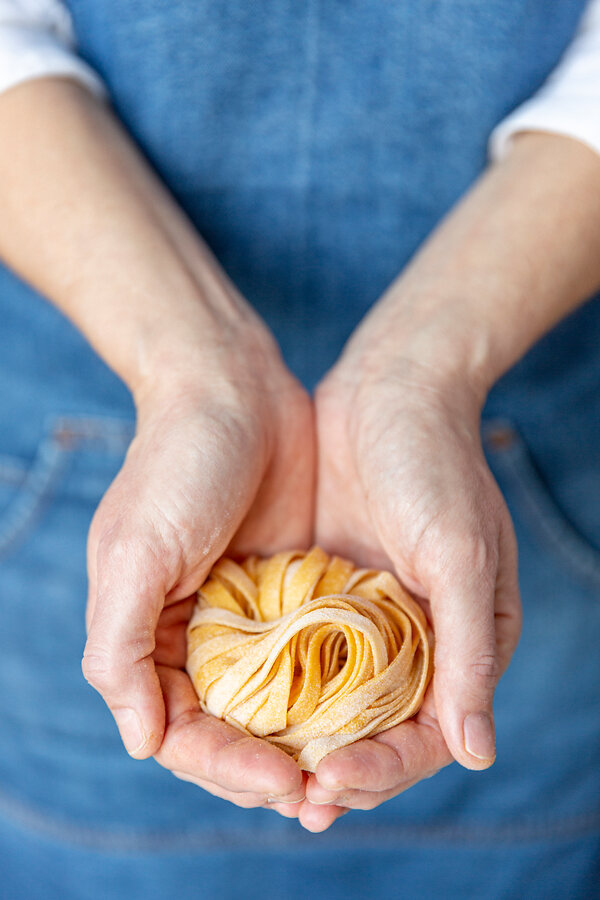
(244, 799)
(365, 774)
(219, 757)
(428, 501)
(365, 765)
(357, 799)
(319, 818)
(152, 541)
(476, 612)
(466, 667)
(117, 662)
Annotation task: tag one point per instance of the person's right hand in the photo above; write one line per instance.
(224, 445)
(222, 462)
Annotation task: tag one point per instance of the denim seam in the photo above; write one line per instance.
(62, 435)
(291, 838)
(12, 472)
(305, 138)
(36, 489)
(543, 514)
(306, 121)
(562, 538)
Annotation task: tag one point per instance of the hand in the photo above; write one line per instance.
(225, 461)
(402, 477)
(403, 484)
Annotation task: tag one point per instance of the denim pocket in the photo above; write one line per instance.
(26, 487)
(546, 709)
(531, 498)
(29, 485)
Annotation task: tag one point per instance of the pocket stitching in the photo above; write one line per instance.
(543, 513)
(34, 492)
(62, 435)
(12, 472)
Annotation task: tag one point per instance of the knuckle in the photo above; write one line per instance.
(125, 555)
(484, 669)
(474, 550)
(113, 671)
(446, 545)
(97, 671)
(115, 555)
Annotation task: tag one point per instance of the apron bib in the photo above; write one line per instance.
(314, 145)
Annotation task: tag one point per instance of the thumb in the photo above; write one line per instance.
(126, 598)
(466, 664)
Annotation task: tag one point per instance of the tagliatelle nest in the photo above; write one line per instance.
(307, 651)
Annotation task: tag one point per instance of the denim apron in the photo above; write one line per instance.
(314, 145)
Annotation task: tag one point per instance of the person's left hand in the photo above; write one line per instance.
(403, 485)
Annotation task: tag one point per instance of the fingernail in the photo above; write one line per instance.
(339, 801)
(279, 800)
(130, 729)
(479, 736)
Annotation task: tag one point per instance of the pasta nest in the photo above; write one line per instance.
(307, 651)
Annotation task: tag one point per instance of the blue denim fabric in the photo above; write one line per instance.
(314, 145)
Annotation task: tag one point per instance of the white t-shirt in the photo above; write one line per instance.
(37, 40)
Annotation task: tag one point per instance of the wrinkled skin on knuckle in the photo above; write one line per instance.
(115, 552)
(109, 668)
(476, 551)
(483, 669)
(462, 534)
(132, 550)
(476, 678)
(449, 551)
(97, 671)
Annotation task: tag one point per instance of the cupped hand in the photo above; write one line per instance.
(403, 484)
(222, 461)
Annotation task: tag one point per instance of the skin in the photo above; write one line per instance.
(403, 482)
(385, 466)
(224, 451)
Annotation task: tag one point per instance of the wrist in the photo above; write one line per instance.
(235, 362)
(517, 253)
(421, 342)
(111, 248)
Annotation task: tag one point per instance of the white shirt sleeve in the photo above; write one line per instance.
(37, 40)
(569, 101)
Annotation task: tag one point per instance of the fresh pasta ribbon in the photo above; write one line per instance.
(307, 651)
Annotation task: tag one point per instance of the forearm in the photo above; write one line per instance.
(517, 254)
(89, 225)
